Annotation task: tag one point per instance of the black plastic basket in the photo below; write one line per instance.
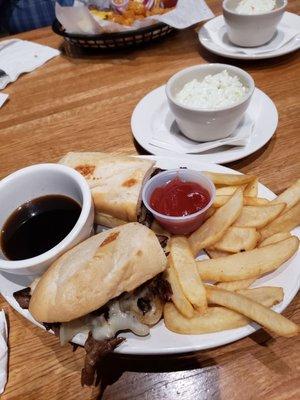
(115, 40)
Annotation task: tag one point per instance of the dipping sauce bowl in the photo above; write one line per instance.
(34, 182)
(180, 225)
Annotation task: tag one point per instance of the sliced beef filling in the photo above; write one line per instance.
(144, 304)
(163, 240)
(54, 326)
(96, 351)
(157, 171)
(23, 297)
(145, 217)
(161, 288)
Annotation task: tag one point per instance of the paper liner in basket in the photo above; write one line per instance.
(77, 19)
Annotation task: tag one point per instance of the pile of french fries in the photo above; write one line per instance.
(245, 237)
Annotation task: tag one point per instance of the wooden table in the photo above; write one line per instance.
(85, 104)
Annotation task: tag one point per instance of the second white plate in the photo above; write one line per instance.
(218, 24)
(153, 110)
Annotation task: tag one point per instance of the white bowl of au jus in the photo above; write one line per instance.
(208, 101)
(252, 23)
(45, 210)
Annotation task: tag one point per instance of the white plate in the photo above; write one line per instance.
(160, 340)
(218, 23)
(153, 111)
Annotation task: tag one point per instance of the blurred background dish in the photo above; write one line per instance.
(213, 36)
(115, 40)
(251, 30)
(115, 25)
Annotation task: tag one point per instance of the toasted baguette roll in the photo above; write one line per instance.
(115, 181)
(95, 271)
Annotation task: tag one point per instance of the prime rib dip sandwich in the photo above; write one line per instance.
(109, 283)
(116, 183)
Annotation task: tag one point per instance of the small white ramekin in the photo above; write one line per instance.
(204, 125)
(179, 225)
(251, 30)
(41, 180)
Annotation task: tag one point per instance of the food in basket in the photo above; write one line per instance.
(126, 12)
(94, 17)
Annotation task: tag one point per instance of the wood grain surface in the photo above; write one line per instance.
(85, 103)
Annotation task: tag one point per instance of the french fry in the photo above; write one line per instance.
(290, 196)
(214, 320)
(284, 223)
(255, 201)
(237, 239)
(216, 253)
(248, 201)
(258, 216)
(214, 228)
(183, 262)
(178, 297)
(228, 190)
(277, 237)
(251, 189)
(228, 179)
(253, 310)
(217, 318)
(220, 201)
(248, 264)
(210, 212)
(266, 295)
(236, 285)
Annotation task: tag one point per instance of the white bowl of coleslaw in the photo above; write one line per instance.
(208, 101)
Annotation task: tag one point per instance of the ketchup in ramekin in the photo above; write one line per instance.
(179, 199)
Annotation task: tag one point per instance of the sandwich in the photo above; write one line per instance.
(116, 183)
(109, 283)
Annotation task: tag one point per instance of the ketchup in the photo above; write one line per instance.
(178, 198)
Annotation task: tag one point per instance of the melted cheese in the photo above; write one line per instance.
(101, 329)
(117, 321)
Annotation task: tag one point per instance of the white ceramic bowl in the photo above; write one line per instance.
(41, 180)
(251, 30)
(204, 125)
(185, 224)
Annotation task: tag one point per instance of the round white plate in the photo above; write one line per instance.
(218, 24)
(160, 340)
(153, 111)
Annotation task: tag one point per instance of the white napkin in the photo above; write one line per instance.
(20, 56)
(174, 141)
(3, 351)
(283, 35)
(3, 98)
(76, 19)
